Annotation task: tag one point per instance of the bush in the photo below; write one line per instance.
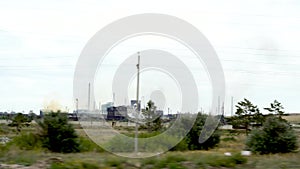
(27, 141)
(19, 120)
(57, 134)
(125, 143)
(191, 140)
(276, 136)
(4, 130)
(181, 146)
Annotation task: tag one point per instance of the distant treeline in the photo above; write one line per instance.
(31, 116)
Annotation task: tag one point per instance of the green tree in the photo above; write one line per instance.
(57, 134)
(276, 108)
(19, 121)
(276, 136)
(31, 116)
(153, 120)
(191, 140)
(247, 113)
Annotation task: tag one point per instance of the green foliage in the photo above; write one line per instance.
(181, 146)
(87, 145)
(247, 113)
(276, 108)
(4, 129)
(57, 134)
(19, 120)
(125, 143)
(239, 159)
(246, 107)
(173, 158)
(89, 166)
(120, 143)
(34, 141)
(176, 166)
(231, 161)
(13, 155)
(170, 161)
(229, 139)
(276, 136)
(191, 141)
(188, 161)
(114, 162)
(153, 120)
(27, 141)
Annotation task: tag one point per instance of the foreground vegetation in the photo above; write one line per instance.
(56, 144)
(93, 157)
(214, 158)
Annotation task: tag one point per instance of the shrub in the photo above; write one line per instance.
(27, 141)
(4, 130)
(125, 143)
(276, 136)
(19, 120)
(57, 134)
(181, 146)
(191, 140)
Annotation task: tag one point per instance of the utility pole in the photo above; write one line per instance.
(218, 109)
(138, 107)
(77, 110)
(89, 96)
(76, 105)
(114, 99)
(223, 111)
(231, 106)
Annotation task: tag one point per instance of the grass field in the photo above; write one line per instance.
(190, 159)
(231, 141)
(293, 118)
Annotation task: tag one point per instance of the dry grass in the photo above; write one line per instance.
(293, 118)
(230, 142)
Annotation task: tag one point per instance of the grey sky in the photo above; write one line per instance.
(256, 41)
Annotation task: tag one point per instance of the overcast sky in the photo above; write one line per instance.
(257, 43)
